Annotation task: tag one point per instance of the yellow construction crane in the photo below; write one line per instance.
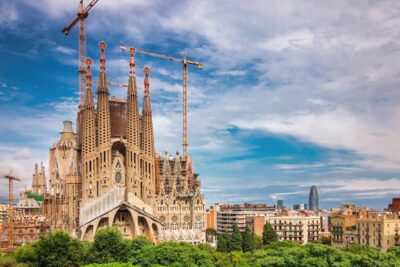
(10, 178)
(83, 13)
(185, 62)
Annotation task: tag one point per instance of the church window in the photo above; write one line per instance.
(118, 177)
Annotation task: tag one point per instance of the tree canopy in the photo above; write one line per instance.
(35, 196)
(110, 250)
(269, 234)
(248, 240)
(236, 239)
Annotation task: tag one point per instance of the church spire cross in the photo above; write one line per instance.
(146, 80)
(88, 71)
(132, 61)
(102, 46)
(89, 94)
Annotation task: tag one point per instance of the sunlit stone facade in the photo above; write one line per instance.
(108, 174)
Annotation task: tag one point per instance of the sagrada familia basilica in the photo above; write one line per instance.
(108, 174)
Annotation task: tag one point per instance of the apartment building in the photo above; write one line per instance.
(296, 227)
(241, 215)
(343, 224)
(379, 230)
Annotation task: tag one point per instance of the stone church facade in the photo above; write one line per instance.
(108, 173)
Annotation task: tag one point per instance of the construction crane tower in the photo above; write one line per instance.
(81, 16)
(11, 178)
(185, 62)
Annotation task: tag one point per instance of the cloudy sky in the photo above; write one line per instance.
(294, 93)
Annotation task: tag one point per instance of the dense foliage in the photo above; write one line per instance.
(110, 250)
(236, 239)
(35, 196)
(269, 234)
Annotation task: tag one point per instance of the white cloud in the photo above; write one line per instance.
(65, 50)
(297, 39)
(8, 13)
(24, 153)
(231, 73)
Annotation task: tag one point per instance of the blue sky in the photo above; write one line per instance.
(294, 93)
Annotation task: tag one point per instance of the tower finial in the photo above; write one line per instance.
(88, 71)
(102, 46)
(146, 80)
(132, 61)
(88, 95)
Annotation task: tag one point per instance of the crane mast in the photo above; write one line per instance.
(80, 17)
(11, 178)
(184, 109)
(82, 53)
(185, 64)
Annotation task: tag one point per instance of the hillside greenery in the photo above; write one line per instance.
(109, 249)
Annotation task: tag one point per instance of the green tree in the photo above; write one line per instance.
(27, 254)
(248, 240)
(35, 196)
(269, 234)
(59, 249)
(109, 246)
(326, 241)
(9, 261)
(223, 242)
(175, 254)
(236, 239)
(114, 264)
(258, 241)
(135, 248)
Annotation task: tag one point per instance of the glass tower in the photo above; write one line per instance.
(314, 199)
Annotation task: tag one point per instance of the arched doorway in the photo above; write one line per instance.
(123, 221)
(88, 236)
(103, 223)
(155, 231)
(144, 228)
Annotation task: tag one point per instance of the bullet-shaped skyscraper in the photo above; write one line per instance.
(314, 199)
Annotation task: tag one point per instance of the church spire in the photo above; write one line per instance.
(89, 103)
(133, 106)
(88, 124)
(148, 138)
(103, 110)
(102, 83)
(35, 178)
(42, 179)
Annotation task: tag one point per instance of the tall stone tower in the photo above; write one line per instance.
(103, 128)
(133, 135)
(147, 145)
(90, 160)
(39, 180)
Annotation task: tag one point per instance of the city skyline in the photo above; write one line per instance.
(303, 100)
